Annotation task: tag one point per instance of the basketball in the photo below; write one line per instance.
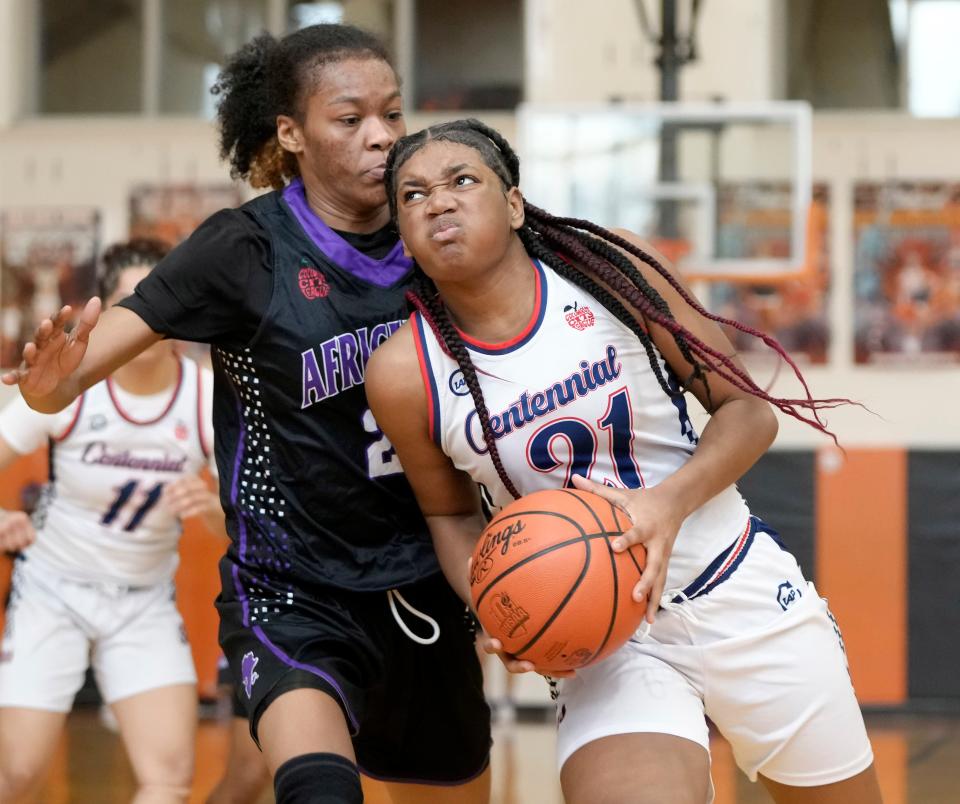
(546, 582)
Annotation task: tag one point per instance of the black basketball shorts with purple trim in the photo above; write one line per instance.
(417, 712)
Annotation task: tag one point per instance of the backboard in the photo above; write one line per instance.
(721, 189)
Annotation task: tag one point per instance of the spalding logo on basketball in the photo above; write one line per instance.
(546, 583)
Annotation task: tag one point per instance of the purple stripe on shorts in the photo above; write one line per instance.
(382, 273)
(241, 525)
(310, 669)
(242, 595)
(433, 782)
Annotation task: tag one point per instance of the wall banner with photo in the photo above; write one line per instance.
(754, 221)
(47, 259)
(907, 272)
(171, 212)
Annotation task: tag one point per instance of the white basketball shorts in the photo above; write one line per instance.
(759, 654)
(55, 628)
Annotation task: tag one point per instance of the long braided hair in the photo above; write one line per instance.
(590, 257)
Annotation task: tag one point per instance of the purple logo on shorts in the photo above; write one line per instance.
(247, 669)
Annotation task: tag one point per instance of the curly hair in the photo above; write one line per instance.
(269, 77)
(592, 258)
(140, 252)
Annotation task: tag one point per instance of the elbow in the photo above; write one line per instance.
(47, 404)
(768, 425)
(54, 401)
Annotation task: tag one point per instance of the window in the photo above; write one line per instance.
(932, 57)
(196, 37)
(869, 54)
(139, 56)
(465, 59)
(160, 57)
(90, 56)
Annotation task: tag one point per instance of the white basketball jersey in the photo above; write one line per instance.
(574, 393)
(101, 517)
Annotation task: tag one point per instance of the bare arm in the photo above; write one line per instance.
(16, 529)
(740, 430)
(57, 366)
(448, 497)
(192, 497)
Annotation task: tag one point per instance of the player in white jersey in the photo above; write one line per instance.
(93, 582)
(542, 356)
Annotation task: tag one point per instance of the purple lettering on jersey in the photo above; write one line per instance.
(327, 351)
(342, 363)
(530, 407)
(364, 340)
(378, 335)
(351, 373)
(313, 388)
(97, 452)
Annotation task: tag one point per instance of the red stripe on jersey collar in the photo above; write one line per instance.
(173, 398)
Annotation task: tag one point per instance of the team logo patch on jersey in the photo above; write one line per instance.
(787, 594)
(579, 317)
(248, 671)
(98, 421)
(313, 284)
(457, 384)
(181, 431)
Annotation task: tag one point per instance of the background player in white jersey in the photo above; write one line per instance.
(93, 584)
(521, 376)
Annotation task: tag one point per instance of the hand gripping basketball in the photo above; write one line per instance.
(547, 584)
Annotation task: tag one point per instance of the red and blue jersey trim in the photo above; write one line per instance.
(73, 422)
(539, 310)
(173, 398)
(725, 564)
(429, 378)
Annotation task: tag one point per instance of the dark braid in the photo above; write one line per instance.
(536, 248)
(427, 301)
(269, 77)
(593, 258)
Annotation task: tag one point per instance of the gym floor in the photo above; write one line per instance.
(918, 758)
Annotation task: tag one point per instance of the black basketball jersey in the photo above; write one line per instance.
(312, 490)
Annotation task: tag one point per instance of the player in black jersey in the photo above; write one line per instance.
(347, 645)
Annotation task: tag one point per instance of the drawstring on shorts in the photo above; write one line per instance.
(395, 594)
(671, 600)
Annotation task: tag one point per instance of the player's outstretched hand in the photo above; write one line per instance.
(656, 522)
(16, 531)
(189, 496)
(53, 354)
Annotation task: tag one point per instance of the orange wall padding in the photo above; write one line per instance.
(861, 558)
(197, 580)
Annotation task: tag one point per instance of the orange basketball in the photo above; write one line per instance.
(546, 583)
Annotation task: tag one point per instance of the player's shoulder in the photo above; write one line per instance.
(397, 353)
(394, 367)
(645, 246)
